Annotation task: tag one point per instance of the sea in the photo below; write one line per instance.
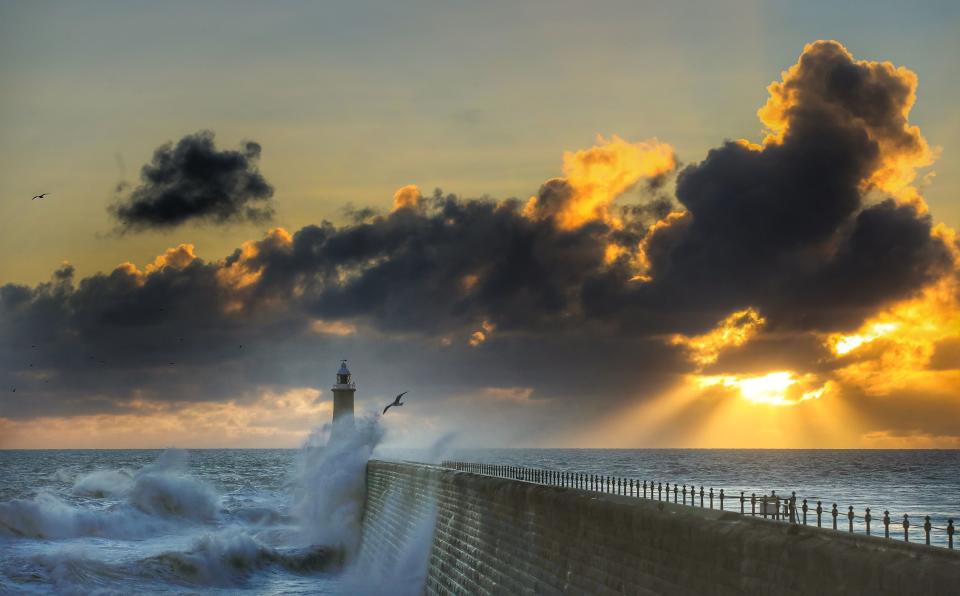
(262, 521)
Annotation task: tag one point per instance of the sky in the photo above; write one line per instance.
(614, 224)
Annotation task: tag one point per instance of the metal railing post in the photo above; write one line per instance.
(701, 495)
(819, 514)
(753, 504)
(742, 500)
(804, 512)
(711, 497)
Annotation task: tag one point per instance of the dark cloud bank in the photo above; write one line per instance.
(193, 181)
(784, 228)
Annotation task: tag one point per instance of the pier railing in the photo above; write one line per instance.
(774, 507)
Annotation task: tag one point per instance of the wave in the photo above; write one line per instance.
(104, 483)
(229, 557)
(159, 490)
(223, 559)
(46, 516)
(173, 495)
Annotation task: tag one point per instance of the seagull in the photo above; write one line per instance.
(396, 402)
(43, 196)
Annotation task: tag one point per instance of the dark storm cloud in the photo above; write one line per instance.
(194, 181)
(784, 227)
(410, 277)
(452, 263)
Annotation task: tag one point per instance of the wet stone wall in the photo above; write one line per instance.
(475, 534)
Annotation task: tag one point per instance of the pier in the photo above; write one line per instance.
(491, 529)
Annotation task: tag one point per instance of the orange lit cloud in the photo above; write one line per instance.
(595, 177)
(178, 258)
(407, 197)
(894, 350)
(242, 269)
(341, 328)
(778, 388)
(481, 335)
(734, 331)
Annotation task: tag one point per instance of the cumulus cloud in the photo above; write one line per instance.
(787, 227)
(194, 181)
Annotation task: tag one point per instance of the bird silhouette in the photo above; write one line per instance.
(396, 402)
(42, 196)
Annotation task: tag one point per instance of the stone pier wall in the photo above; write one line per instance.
(482, 535)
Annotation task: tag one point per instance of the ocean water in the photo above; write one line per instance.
(212, 521)
(253, 521)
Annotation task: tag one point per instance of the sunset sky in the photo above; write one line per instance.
(609, 224)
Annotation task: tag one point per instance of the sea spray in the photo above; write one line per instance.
(401, 569)
(328, 502)
(384, 569)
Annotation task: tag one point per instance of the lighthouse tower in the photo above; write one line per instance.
(343, 397)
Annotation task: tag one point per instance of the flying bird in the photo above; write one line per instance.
(43, 196)
(396, 402)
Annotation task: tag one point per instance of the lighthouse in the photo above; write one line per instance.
(343, 397)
